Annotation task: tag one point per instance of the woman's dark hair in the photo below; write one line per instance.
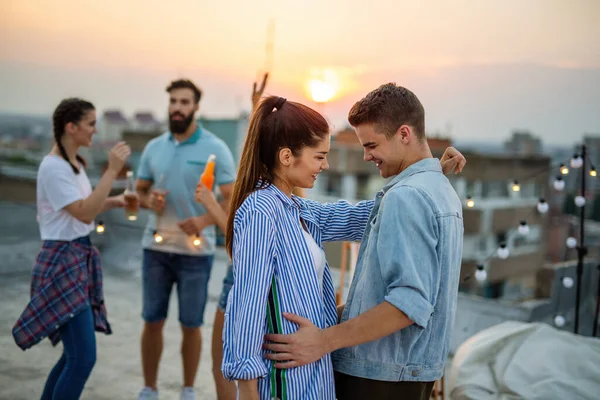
(275, 124)
(69, 110)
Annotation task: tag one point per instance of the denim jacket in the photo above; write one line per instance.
(410, 256)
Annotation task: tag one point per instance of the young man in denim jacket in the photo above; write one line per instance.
(394, 330)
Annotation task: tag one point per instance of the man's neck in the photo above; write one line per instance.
(420, 153)
(182, 137)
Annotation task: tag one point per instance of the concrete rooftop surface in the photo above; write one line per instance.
(117, 373)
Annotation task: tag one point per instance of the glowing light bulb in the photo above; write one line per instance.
(563, 169)
(197, 241)
(516, 187)
(576, 161)
(157, 237)
(593, 172)
(100, 227)
(571, 242)
(470, 202)
(559, 321)
(580, 201)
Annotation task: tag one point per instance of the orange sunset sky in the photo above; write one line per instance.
(481, 67)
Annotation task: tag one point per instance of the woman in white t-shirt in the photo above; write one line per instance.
(67, 302)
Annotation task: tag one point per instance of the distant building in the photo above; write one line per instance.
(592, 142)
(111, 126)
(564, 199)
(231, 130)
(523, 143)
(145, 122)
(495, 217)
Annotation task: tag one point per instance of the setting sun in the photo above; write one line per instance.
(321, 91)
(323, 84)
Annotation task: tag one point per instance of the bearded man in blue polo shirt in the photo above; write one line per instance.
(179, 240)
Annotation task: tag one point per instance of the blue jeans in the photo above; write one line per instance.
(227, 284)
(160, 270)
(69, 375)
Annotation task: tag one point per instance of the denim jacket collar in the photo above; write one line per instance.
(427, 164)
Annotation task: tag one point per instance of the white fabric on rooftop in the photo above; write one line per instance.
(516, 360)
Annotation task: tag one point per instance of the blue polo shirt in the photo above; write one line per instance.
(177, 167)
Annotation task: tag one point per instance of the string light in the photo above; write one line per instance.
(197, 242)
(524, 228)
(515, 186)
(480, 273)
(542, 206)
(567, 282)
(470, 202)
(559, 321)
(559, 183)
(576, 161)
(503, 252)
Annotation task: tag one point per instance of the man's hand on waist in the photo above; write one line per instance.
(307, 345)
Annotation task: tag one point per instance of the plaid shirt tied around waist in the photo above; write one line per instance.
(66, 278)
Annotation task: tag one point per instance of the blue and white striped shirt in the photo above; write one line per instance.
(273, 273)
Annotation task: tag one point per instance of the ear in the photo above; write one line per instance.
(70, 128)
(285, 157)
(404, 133)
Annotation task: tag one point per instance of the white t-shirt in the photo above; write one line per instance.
(318, 256)
(57, 187)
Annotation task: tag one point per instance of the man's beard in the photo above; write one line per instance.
(180, 126)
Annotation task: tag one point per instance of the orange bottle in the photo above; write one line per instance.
(208, 176)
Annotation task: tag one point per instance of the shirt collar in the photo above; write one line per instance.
(192, 139)
(285, 199)
(427, 164)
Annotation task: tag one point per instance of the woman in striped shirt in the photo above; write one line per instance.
(275, 241)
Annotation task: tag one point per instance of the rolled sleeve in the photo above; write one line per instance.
(412, 303)
(406, 248)
(341, 220)
(246, 313)
(245, 369)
